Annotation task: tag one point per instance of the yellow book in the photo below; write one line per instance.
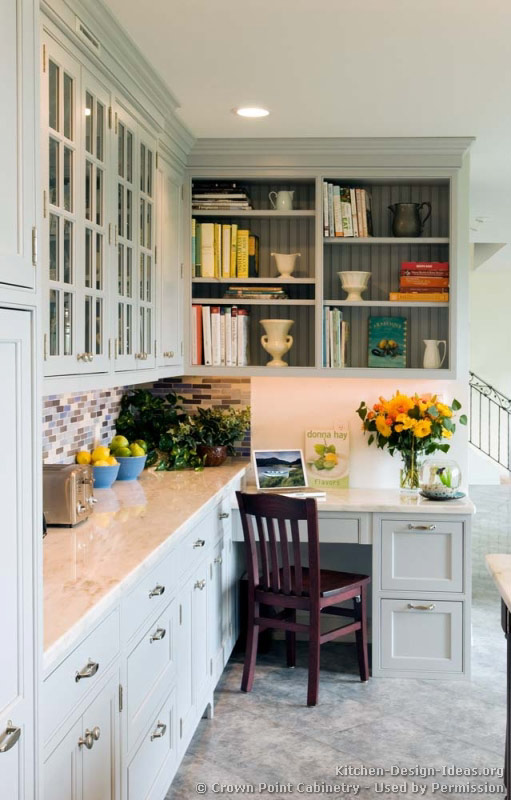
(242, 254)
(226, 251)
(218, 250)
(234, 242)
(207, 250)
(419, 297)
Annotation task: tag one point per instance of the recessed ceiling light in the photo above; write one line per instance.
(252, 111)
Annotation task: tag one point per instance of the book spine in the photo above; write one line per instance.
(337, 212)
(326, 226)
(243, 341)
(363, 212)
(423, 274)
(194, 244)
(345, 340)
(193, 335)
(425, 266)
(216, 336)
(331, 209)
(234, 245)
(369, 216)
(234, 335)
(242, 255)
(332, 337)
(206, 333)
(253, 255)
(226, 251)
(228, 337)
(354, 219)
(222, 337)
(337, 338)
(419, 297)
(208, 249)
(198, 251)
(217, 242)
(347, 224)
(358, 196)
(417, 282)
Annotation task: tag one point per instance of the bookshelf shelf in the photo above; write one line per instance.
(382, 240)
(239, 301)
(382, 304)
(262, 281)
(256, 213)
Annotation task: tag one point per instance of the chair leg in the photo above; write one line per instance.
(291, 642)
(361, 636)
(247, 680)
(314, 646)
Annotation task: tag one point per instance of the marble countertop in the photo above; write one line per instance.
(83, 567)
(499, 567)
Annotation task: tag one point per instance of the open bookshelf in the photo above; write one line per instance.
(315, 285)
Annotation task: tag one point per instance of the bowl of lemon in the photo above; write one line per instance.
(131, 457)
(105, 466)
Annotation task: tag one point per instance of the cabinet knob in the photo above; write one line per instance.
(157, 591)
(429, 607)
(88, 671)
(9, 737)
(168, 354)
(224, 515)
(218, 560)
(198, 543)
(159, 731)
(158, 635)
(200, 585)
(421, 527)
(89, 738)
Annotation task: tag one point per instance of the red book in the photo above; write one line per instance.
(420, 282)
(423, 289)
(425, 266)
(196, 335)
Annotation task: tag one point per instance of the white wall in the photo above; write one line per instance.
(490, 326)
(283, 408)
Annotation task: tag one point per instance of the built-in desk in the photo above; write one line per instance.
(421, 576)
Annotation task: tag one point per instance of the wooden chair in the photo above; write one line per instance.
(277, 579)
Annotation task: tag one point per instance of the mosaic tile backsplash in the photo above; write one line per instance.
(79, 421)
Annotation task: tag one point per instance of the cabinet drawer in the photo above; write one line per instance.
(333, 528)
(422, 635)
(151, 594)
(158, 748)
(422, 556)
(150, 664)
(199, 540)
(64, 688)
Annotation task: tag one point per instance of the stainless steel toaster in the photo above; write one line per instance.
(67, 493)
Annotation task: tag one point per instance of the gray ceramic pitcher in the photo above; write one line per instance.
(407, 218)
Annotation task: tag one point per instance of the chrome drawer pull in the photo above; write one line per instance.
(158, 635)
(429, 607)
(421, 527)
(199, 543)
(223, 515)
(89, 738)
(159, 731)
(88, 671)
(157, 591)
(218, 560)
(9, 737)
(200, 585)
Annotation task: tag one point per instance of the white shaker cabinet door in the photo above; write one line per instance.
(16, 568)
(100, 763)
(17, 142)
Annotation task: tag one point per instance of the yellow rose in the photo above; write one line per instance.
(398, 428)
(400, 403)
(382, 427)
(422, 429)
(444, 410)
(446, 434)
(406, 421)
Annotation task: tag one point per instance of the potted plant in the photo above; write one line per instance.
(217, 429)
(148, 417)
(414, 426)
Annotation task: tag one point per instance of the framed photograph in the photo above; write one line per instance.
(279, 469)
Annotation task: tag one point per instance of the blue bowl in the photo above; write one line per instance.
(130, 468)
(105, 476)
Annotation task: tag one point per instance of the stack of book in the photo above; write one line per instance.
(346, 212)
(255, 293)
(220, 336)
(423, 282)
(223, 196)
(224, 251)
(335, 339)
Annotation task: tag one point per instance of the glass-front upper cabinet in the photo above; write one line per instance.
(146, 282)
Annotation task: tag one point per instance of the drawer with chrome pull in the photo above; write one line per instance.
(150, 669)
(422, 556)
(199, 541)
(151, 593)
(65, 687)
(158, 746)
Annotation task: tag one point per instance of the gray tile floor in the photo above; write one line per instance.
(270, 737)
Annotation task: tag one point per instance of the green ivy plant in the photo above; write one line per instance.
(146, 416)
(219, 426)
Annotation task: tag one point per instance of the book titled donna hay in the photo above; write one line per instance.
(387, 342)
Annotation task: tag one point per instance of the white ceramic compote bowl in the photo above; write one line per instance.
(354, 283)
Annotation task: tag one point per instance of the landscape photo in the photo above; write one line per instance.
(279, 468)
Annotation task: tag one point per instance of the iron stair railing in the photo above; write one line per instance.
(490, 421)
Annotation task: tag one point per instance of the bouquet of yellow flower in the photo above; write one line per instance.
(414, 426)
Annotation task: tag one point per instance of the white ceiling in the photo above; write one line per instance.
(343, 68)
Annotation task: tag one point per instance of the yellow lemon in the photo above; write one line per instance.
(101, 463)
(83, 457)
(112, 461)
(331, 457)
(101, 453)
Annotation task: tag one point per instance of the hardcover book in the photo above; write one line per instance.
(387, 342)
(327, 457)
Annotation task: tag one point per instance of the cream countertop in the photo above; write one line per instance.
(499, 567)
(83, 567)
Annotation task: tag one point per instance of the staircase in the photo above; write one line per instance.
(490, 424)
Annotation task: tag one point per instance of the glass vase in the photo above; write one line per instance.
(410, 471)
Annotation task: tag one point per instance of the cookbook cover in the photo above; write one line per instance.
(327, 452)
(387, 342)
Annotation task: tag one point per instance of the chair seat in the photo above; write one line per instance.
(331, 581)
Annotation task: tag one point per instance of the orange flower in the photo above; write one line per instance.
(382, 427)
(370, 414)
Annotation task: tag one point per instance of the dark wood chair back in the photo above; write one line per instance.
(277, 565)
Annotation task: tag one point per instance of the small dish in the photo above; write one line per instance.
(130, 467)
(455, 496)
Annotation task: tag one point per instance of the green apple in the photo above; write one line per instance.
(136, 450)
(122, 452)
(118, 441)
(141, 443)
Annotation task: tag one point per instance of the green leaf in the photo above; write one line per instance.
(448, 424)
(444, 447)
(455, 405)
(463, 419)
(371, 439)
(433, 411)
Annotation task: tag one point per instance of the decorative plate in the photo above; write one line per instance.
(455, 496)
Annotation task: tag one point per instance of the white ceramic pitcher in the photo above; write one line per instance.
(432, 358)
(283, 200)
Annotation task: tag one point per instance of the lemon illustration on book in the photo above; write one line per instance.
(83, 457)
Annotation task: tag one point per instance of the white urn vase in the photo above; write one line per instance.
(354, 283)
(285, 263)
(276, 341)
